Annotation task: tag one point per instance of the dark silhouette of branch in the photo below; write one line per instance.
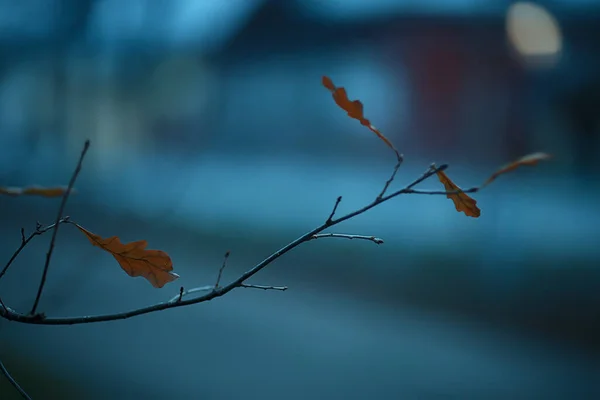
(373, 239)
(13, 382)
(59, 215)
(213, 292)
(438, 192)
(400, 159)
(225, 258)
(207, 288)
(209, 292)
(263, 287)
(335, 207)
(25, 241)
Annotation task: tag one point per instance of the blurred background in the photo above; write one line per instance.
(210, 131)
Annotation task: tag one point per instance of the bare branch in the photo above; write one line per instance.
(441, 192)
(3, 305)
(373, 239)
(59, 215)
(207, 288)
(183, 293)
(13, 382)
(25, 241)
(212, 292)
(400, 159)
(222, 268)
(262, 287)
(337, 203)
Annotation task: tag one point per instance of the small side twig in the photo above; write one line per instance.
(59, 215)
(373, 239)
(400, 159)
(182, 293)
(442, 192)
(209, 288)
(263, 287)
(25, 241)
(222, 268)
(335, 207)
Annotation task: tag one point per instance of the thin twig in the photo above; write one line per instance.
(222, 268)
(441, 192)
(335, 207)
(212, 292)
(183, 293)
(400, 159)
(263, 287)
(373, 239)
(25, 241)
(59, 215)
(13, 382)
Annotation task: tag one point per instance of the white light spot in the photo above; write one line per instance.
(533, 32)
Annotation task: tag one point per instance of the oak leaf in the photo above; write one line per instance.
(461, 200)
(154, 265)
(354, 108)
(35, 191)
(529, 160)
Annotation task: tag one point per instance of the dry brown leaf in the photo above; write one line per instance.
(35, 191)
(353, 108)
(530, 160)
(328, 83)
(462, 201)
(154, 265)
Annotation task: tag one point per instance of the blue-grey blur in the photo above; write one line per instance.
(211, 131)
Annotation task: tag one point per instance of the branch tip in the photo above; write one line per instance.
(400, 159)
(335, 207)
(225, 257)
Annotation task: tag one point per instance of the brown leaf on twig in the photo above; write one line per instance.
(462, 201)
(154, 265)
(354, 108)
(530, 160)
(35, 191)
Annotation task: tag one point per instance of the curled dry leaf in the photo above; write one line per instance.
(354, 108)
(154, 265)
(462, 201)
(35, 191)
(530, 160)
